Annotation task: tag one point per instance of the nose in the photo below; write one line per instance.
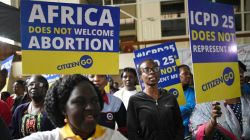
(128, 78)
(89, 106)
(151, 71)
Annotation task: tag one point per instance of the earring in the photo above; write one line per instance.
(66, 120)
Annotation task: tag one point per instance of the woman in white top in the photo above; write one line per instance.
(73, 104)
(129, 80)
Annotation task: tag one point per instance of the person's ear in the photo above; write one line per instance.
(65, 118)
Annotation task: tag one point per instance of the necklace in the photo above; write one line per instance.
(33, 110)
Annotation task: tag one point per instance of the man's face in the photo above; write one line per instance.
(18, 89)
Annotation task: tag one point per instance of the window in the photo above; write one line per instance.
(172, 10)
(238, 25)
(247, 5)
(173, 20)
(173, 27)
(247, 15)
(247, 22)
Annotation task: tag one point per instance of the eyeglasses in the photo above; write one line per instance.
(148, 70)
(37, 84)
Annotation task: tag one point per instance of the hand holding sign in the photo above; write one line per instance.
(214, 50)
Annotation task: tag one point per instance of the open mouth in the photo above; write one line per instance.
(89, 119)
(152, 78)
(33, 91)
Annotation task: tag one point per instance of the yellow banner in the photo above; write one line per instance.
(178, 92)
(178, 62)
(216, 81)
(67, 62)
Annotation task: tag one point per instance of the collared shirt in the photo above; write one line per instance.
(105, 98)
(113, 112)
(68, 133)
(65, 133)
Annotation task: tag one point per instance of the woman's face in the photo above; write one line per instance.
(83, 108)
(36, 89)
(99, 80)
(129, 79)
(150, 73)
(185, 76)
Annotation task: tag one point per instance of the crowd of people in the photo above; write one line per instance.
(77, 107)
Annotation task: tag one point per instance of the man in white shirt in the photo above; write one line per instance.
(129, 80)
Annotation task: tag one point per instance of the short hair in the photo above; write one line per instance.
(128, 69)
(20, 82)
(27, 81)
(147, 60)
(184, 66)
(58, 95)
(40, 77)
(5, 95)
(107, 77)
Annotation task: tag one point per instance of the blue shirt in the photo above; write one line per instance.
(246, 88)
(186, 110)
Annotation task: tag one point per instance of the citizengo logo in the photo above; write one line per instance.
(85, 61)
(175, 92)
(227, 78)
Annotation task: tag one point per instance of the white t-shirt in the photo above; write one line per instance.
(55, 134)
(124, 95)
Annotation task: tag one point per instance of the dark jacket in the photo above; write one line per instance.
(17, 102)
(16, 123)
(150, 119)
